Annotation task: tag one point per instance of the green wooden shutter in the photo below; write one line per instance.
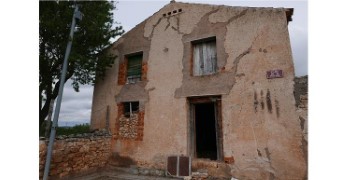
(134, 65)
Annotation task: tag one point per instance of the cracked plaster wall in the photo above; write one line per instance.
(261, 130)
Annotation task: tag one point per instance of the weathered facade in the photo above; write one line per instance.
(191, 80)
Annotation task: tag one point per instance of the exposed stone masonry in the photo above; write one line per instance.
(132, 127)
(76, 154)
(128, 126)
(303, 102)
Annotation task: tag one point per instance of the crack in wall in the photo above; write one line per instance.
(154, 26)
(208, 14)
(237, 59)
(254, 135)
(236, 16)
(247, 51)
(177, 28)
(178, 25)
(267, 152)
(272, 176)
(303, 147)
(167, 19)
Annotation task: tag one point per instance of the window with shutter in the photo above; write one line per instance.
(134, 68)
(204, 58)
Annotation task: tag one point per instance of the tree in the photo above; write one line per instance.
(88, 57)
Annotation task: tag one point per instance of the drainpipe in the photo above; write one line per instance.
(77, 15)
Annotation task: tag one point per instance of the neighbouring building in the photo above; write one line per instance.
(214, 83)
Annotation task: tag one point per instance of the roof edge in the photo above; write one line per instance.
(289, 12)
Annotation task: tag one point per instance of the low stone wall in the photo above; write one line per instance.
(76, 154)
(300, 89)
(301, 98)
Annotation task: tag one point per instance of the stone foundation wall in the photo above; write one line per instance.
(76, 154)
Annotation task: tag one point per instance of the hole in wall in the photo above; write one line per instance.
(172, 12)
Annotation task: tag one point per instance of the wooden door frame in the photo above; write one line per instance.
(192, 101)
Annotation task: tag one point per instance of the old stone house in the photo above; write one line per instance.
(214, 83)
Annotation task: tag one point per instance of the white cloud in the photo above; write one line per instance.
(75, 106)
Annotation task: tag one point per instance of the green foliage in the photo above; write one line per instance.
(88, 56)
(77, 129)
(42, 130)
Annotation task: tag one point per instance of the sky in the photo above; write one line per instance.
(76, 107)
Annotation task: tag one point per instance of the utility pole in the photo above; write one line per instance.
(77, 15)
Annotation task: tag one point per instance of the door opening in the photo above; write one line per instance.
(205, 138)
(205, 131)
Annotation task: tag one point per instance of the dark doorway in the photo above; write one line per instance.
(205, 128)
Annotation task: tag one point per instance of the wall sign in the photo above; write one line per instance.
(274, 74)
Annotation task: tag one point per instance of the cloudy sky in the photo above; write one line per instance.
(76, 107)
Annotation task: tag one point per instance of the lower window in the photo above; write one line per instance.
(130, 108)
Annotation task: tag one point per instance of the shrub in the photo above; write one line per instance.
(77, 129)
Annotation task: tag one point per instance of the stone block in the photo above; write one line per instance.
(144, 171)
(134, 171)
(63, 174)
(57, 159)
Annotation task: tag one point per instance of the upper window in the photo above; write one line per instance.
(204, 57)
(134, 63)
